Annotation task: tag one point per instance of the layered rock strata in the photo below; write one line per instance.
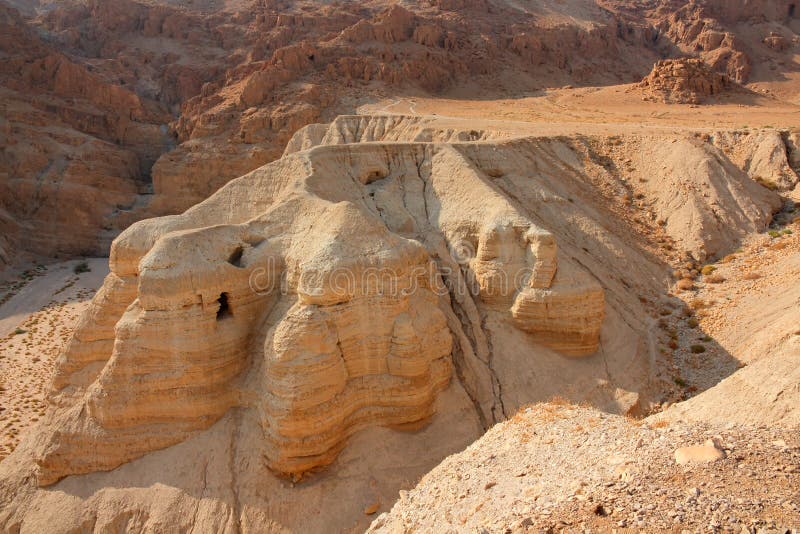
(318, 290)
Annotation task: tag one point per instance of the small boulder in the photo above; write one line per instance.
(710, 451)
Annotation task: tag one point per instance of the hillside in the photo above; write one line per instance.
(118, 111)
(463, 265)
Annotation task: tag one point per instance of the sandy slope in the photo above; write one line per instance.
(34, 326)
(555, 468)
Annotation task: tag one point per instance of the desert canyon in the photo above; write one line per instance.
(428, 266)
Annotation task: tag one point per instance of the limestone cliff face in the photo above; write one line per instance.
(319, 291)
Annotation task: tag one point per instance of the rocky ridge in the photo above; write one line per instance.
(238, 80)
(77, 148)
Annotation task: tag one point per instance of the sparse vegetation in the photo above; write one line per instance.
(715, 279)
(752, 275)
(774, 233)
(707, 269)
(698, 304)
(81, 267)
(697, 348)
(685, 284)
(19, 331)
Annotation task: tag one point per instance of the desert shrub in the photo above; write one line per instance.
(787, 231)
(752, 275)
(707, 269)
(715, 279)
(685, 284)
(774, 233)
(697, 349)
(697, 304)
(81, 267)
(729, 258)
(19, 331)
(692, 322)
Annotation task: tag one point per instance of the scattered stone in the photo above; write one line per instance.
(707, 452)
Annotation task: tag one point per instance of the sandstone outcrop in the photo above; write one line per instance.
(243, 88)
(347, 326)
(388, 273)
(728, 36)
(683, 81)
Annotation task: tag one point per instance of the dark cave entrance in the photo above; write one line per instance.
(224, 309)
(791, 10)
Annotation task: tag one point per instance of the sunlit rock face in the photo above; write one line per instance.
(323, 291)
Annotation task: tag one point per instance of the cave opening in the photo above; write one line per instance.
(224, 309)
(235, 258)
(791, 10)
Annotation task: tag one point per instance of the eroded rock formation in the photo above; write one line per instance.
(322, 300)
(164, 102)
(683, 81)
(388, 273)
(77, 149)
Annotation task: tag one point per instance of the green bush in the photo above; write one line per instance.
(697, 349)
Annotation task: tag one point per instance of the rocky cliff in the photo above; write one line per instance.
(77, 148)
(116, 111)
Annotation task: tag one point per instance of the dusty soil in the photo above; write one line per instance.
(613, 109)
(621, 475)
(36, 320)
